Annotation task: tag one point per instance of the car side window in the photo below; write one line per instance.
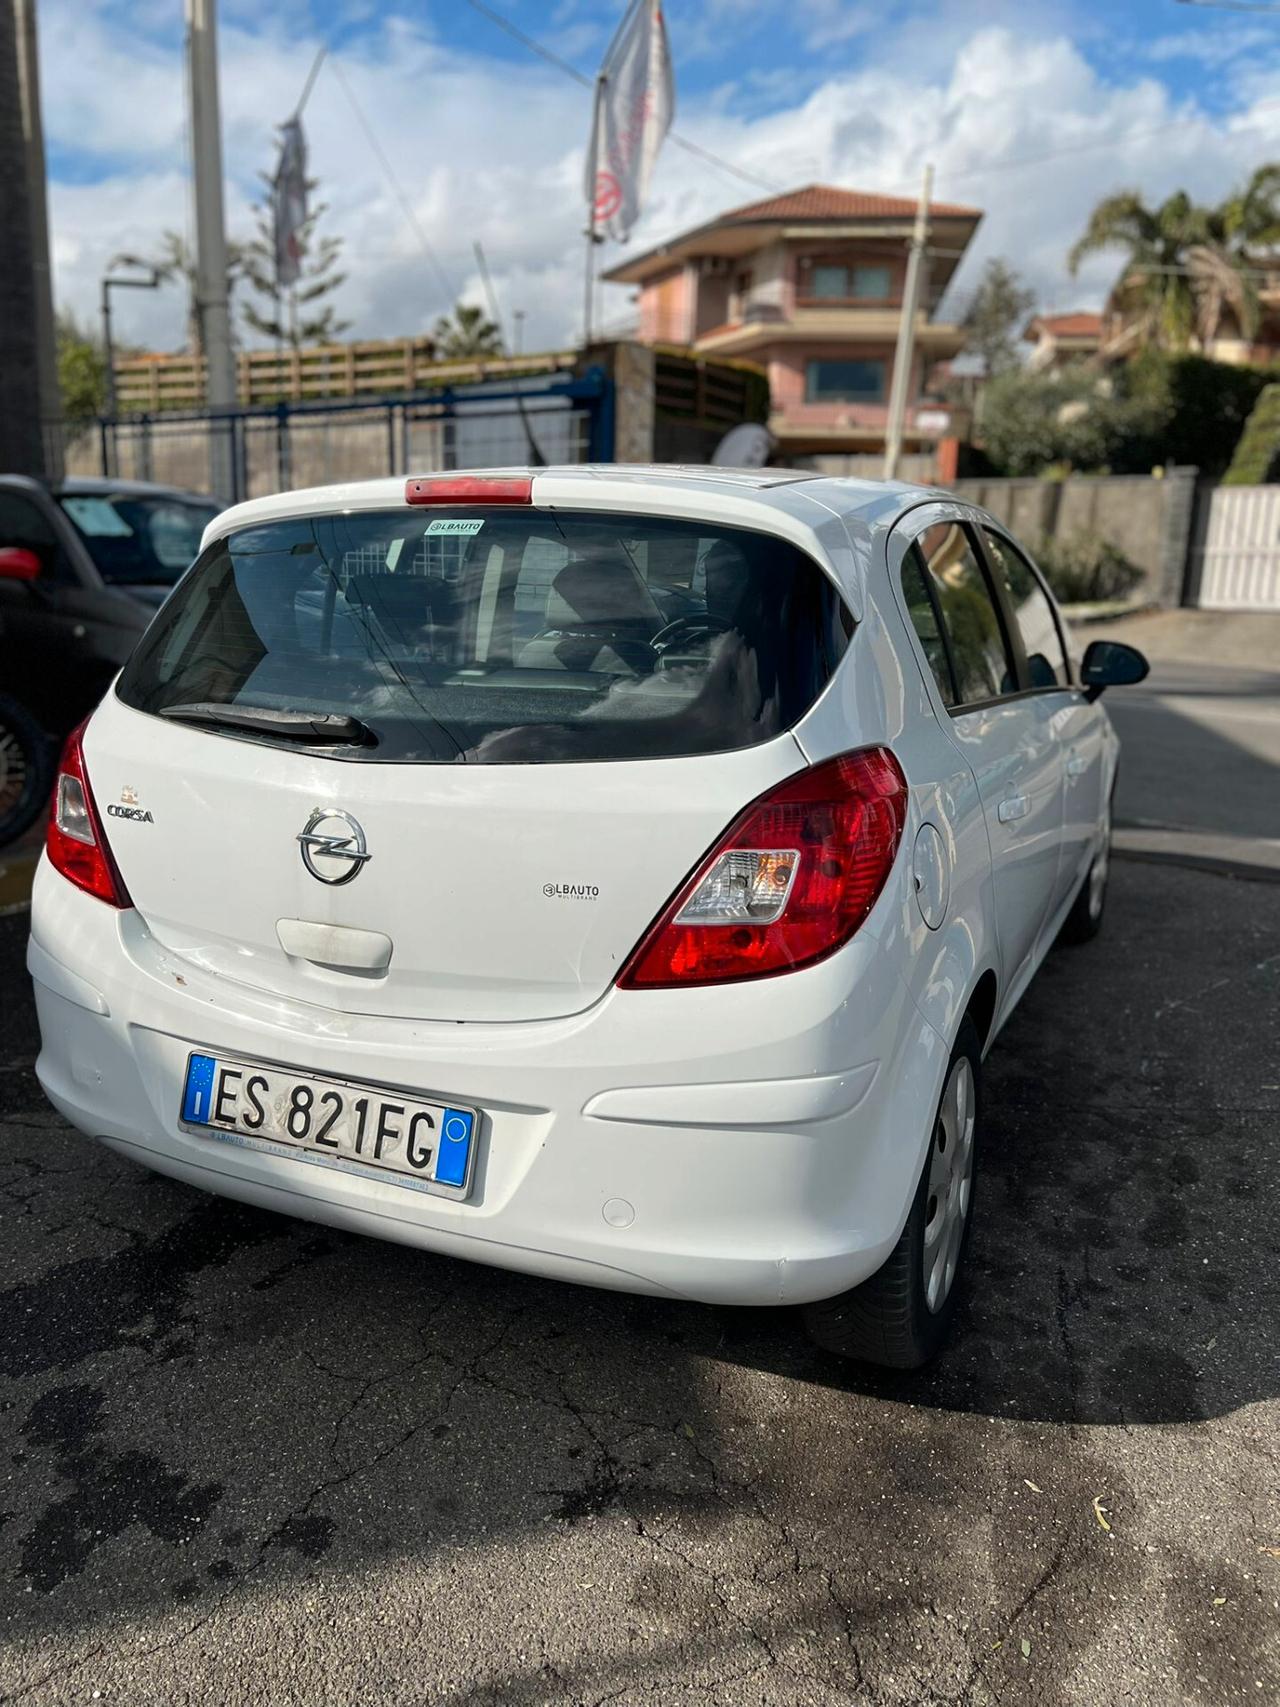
(23, 523)
(924, 619)
(1037, 625)
(984, 667)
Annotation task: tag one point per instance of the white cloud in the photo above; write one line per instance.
(492, 149)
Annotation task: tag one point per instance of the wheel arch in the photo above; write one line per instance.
(981, 1006)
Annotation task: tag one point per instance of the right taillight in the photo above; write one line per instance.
(787, 884)
(76, 844)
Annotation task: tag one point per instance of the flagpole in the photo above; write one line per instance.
(589, 289)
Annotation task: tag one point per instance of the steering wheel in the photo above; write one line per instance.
(698, 625)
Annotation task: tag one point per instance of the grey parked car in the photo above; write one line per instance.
(83, 567)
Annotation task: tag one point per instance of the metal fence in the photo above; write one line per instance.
(248, 453)
(1237, 567)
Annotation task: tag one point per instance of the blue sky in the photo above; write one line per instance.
(1031, 109)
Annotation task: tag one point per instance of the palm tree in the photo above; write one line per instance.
(1190, 268)
(466, 333)
(1251, 216)
(174, 261)
(1153, 293)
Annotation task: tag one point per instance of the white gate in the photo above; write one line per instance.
(1240, 558)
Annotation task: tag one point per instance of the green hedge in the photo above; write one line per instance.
(1257, 458)
(1202, 407)
(1156, 411)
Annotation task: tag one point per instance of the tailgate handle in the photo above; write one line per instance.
(334, 945)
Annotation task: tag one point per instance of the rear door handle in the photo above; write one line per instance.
(1013, 806)
(1077, 764)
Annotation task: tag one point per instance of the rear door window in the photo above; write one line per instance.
(1037, 625)
(923, 613)
(499, 636)
(962, 595)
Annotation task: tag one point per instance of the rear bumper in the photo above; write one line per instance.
(748, 1145)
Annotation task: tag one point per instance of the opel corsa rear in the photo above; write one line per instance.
(588, 872)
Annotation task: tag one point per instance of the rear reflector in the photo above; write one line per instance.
(787, 884)
(469, 489)
(76, 844)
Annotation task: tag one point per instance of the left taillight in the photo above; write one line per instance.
(77, 845)
(787, 884)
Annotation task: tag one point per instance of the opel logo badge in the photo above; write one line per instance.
(333, 846)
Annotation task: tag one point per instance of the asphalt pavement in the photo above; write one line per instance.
(248, 1460)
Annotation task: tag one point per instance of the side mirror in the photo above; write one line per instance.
(1111, 664)
(18, 564)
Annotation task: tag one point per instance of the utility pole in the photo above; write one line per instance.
(907, 331)
(213, 306)
(37, 200)
(21, 441)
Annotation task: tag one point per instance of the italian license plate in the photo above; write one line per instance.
(350, 1125)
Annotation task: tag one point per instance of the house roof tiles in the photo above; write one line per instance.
(824, 201)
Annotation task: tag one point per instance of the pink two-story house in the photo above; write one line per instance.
(809, 285)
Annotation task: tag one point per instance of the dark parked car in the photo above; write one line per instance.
(83, 567)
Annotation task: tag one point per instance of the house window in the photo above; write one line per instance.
(844, 382)
(829, 281)
(832, 281)
(872, 282)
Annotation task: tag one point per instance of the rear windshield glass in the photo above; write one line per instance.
(138, 540)
(496, 636)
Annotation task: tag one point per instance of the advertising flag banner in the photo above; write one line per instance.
(289, 203)
(635, 100)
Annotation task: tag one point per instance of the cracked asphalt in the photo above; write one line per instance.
(247, 1460)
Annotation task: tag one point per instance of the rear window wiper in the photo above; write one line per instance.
(316, 728)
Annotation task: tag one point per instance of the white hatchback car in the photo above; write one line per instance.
(612, 873)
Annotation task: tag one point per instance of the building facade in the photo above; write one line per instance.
(1058, 340)
(809, 285)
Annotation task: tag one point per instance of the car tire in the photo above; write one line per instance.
(26, 769)
(1084, 921)
(900, 1318)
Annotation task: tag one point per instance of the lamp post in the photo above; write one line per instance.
(116, 281)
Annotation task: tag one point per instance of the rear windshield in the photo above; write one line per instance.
(138, 541)
(497, 636)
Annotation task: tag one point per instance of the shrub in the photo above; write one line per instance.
(1201, 407)
(1257, 458)
(1031, 422)
(1157, 410)
(1084, 568)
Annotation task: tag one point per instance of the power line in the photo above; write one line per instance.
(533, 46)
(580, 77)
(724, 165)
(1236, 5)
(406, 207)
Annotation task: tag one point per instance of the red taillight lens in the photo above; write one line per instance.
(76, 844)
(787, 884)
(470, 489)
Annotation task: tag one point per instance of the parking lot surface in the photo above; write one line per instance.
(244, 1459)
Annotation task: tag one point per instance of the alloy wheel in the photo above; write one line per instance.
(950, 1183)
(14, 771)
(1098, 871)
